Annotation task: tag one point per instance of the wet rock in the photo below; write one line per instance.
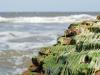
(72, 32)
(35, 61)
(69, 33)
(37, 66)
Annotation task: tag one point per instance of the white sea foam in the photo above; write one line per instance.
(60, 19)
(24, 40)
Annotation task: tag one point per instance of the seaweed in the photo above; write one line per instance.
(74, 54)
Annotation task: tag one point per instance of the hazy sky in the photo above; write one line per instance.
(49, 5)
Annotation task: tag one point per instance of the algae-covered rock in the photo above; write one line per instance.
(77, 52)
(64, 40)
(72, 32)
(35, 69)
(44, 51)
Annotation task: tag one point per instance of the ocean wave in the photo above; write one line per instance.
(26, 42)
(59, 19)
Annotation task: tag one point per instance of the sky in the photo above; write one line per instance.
(49, 5)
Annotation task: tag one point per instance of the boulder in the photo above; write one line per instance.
(65, 40)
(69, 33)
(44, 52)
(35, 61)
(37, 66)
(72, 32)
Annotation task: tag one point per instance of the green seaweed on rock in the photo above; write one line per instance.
(77, 52)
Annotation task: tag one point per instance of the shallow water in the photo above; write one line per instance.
(20, 42)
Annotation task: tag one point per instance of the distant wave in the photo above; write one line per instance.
(59, 19)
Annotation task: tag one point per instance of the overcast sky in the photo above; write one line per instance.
(49, 5)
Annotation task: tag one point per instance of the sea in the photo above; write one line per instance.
(22, 34)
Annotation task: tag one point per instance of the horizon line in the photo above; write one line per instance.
(52, 11)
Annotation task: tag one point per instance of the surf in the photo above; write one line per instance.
(58, 19)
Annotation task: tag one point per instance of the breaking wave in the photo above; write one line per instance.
(59, 19)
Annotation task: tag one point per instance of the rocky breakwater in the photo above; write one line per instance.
(77, 52)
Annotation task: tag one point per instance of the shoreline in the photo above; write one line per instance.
(75, 53)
